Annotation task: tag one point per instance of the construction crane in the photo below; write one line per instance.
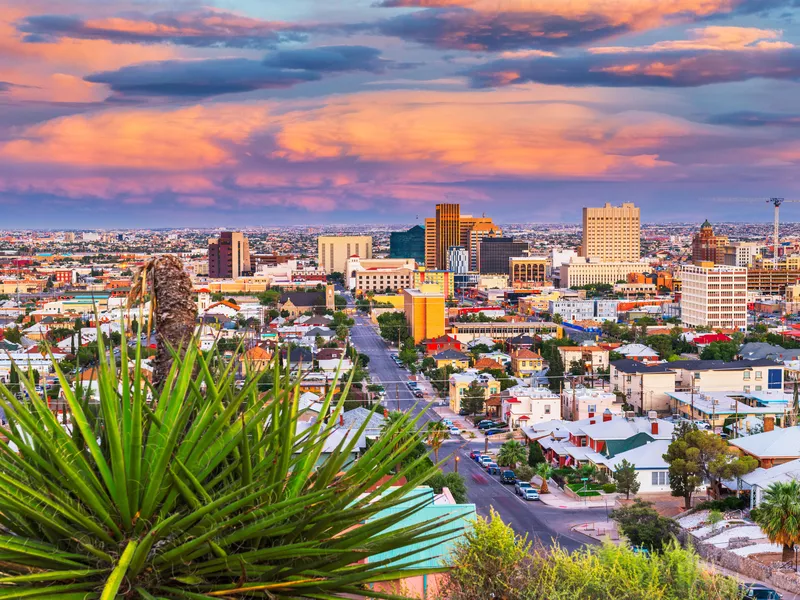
(776, 202)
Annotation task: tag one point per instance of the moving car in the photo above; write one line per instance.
(508, 477)
(418, 394)
(455, 431)
(530, 494)
(521, 486)
(759, 591)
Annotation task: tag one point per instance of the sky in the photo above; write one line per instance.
(156, 113)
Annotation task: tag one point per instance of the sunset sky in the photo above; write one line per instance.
(262, 112)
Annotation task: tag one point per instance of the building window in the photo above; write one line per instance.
(758, 374)
(660, 477)
(547, 409)
(758, 388)
(746, 375)
(747, 389)
(592, 408)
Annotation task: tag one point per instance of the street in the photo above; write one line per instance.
(539, 522)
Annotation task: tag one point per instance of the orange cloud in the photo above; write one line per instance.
(174, 140)
(711, 38)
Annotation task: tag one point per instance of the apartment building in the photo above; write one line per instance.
(460, 382)
(612, 233)
(443, 280)
(228, 255)
(585, 403)
(424, 310)
(714, 296)
(645, 387)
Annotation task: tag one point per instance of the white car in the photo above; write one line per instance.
(455, 431)
(530, 494)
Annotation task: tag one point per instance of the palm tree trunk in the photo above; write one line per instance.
(175, 312)
(788, 553)
(543, 489)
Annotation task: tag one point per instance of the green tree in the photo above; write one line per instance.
(778, 515)
(393, 326)
(626, 479)
(13, 335)
(269, 297)
(436, 433)
(408, 353)
(488, 562)
(511, 454)
(662, 344)
(524, 472)
(535, 454)
(726, 351)
(544, 471)
(556, 372)
(643, 526)
(453, 482)
(558, 319)
(341, 332)
(473, 399)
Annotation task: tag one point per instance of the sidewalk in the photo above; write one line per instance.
(599, 530)
(558, 499)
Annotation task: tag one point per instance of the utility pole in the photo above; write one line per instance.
(397, 395)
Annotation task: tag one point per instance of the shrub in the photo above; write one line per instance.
(609, 488)
(729, 503)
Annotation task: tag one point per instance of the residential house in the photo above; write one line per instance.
(497, 356)
(355, 418)
(257, 358)
(301, 358)
(522, 404)
(330, 359)
(481, 341)
(578, 403)
(520, 341)
(229, 309)
(652, 471)
(717, 375)
(525, 362)
(639, 353)
(762, 478)
(440, 344)
(718, 407)
(574, 443)
(772, 447)
(488, 364)
(455, 519)
(314, 334)
(643, 386)
(451, 358)
(592, 358)
(460, 382)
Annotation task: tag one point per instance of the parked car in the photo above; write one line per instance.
(455, 431)
(447, 422)
(484, 461)
(758, 590)
(485, 422)
(520, 487)
(474, 454)
(508, 477)
(530, 494)
(493, 468)
(418, 394)
(495, 431)
(463, 412)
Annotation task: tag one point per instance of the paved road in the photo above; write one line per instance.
(540, 522)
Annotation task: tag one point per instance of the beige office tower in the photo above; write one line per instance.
(612, 233)
(450, 228)
(333, 251)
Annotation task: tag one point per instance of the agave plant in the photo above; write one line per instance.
(199, 490)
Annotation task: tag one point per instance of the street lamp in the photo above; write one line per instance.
(457, 458)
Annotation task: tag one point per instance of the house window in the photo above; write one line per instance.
(583, 441)
(697, 375)
(547, 409)
(592, 408)
(758, 388)
(746, 375)
(660, 477)
(747, 389)
(758, 374)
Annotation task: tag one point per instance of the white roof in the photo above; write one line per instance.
(779, 473)
(620, 428)
(649, 456)
(481, 340)
(778, 443)
(636, 350)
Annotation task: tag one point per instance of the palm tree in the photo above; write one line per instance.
(511, 453)
(199, 489)
(779, 515)
(544, 471)
(436, 432)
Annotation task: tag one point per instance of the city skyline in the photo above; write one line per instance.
(168, 113)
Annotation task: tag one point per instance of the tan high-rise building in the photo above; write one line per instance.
(450, 228)
(707, 247)
(612, 233)
(333, 251)
(714, 296)
(228, 255)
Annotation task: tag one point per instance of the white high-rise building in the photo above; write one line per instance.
(458, 259)
(714, 296)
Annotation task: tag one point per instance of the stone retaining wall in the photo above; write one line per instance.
(743, 565)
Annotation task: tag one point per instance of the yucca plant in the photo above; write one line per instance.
(198, 490)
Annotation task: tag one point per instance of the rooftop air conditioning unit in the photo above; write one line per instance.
(652, 415)
(630, 415)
